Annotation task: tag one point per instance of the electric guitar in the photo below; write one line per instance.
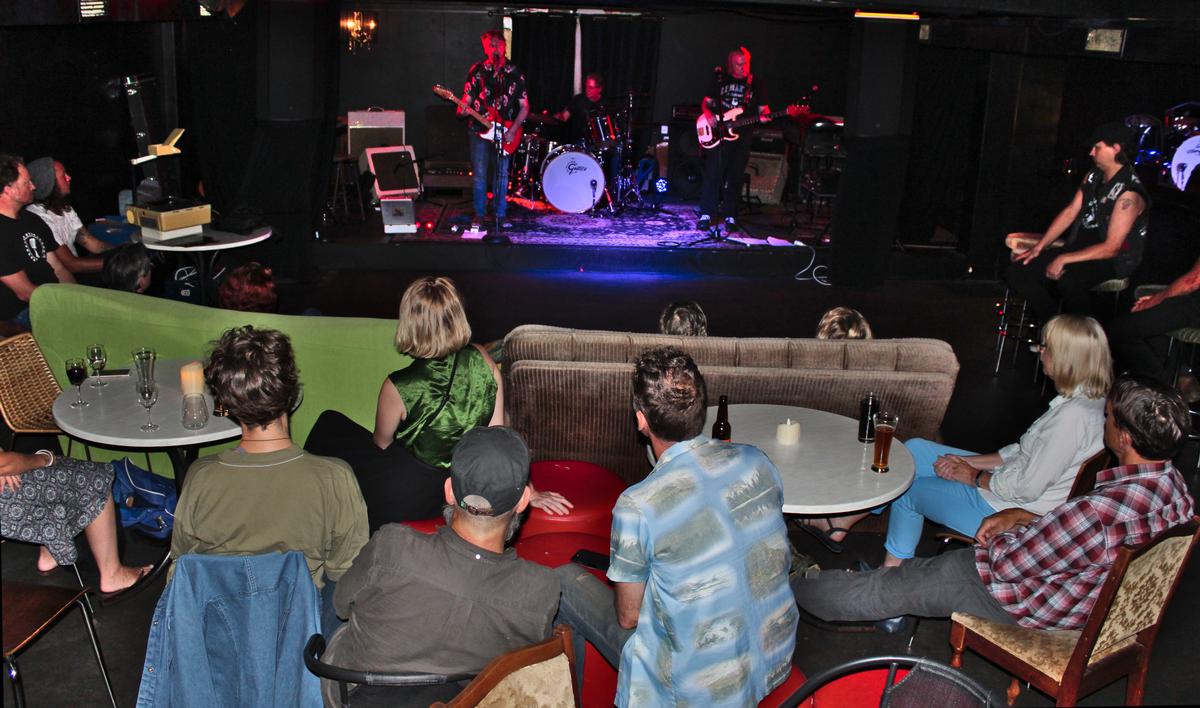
(489, 121)
(711, 135)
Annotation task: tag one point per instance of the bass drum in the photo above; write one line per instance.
(572, 179)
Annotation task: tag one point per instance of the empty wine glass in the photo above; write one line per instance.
(97, 358)
(148, 396)
(77, 374)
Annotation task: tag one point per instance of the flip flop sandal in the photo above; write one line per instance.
(824, 537)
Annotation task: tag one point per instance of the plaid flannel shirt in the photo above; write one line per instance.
(1047, 574)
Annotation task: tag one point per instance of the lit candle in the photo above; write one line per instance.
(191, 378)
(788, 432)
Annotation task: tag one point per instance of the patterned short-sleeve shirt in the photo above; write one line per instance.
(705, 532)
(489, 87)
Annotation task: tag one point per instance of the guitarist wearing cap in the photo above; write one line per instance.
(495, 89)
(733, 87)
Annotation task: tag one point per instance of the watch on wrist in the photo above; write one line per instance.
(978, 476)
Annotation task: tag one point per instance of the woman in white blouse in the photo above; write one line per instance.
(959, 489)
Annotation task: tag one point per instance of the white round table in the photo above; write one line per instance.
(113, 417)
(829, 471)
(212, 243)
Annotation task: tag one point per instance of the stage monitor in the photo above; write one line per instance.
(395, 171)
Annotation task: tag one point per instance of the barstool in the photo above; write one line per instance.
(345, 178)
(1116, 286)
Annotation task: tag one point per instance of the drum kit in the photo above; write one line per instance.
(576, 177)
(1168, 150)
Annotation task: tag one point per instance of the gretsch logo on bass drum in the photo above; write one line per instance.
(573, 167)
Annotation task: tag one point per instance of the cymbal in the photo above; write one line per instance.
(539, 118)
(635, 94)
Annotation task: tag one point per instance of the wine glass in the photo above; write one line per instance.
(77, 374)
(97, 358)
(148, 396)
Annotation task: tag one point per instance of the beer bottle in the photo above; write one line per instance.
(867, 408)
(721, 429)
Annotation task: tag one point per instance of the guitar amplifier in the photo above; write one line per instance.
(768, 176)
(374, 129)
(447, 174)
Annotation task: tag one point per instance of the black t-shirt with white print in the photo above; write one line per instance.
(24, 243)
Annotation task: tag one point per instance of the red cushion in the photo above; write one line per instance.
(783, 691)
(599, 680)
(426, 525)
(591, 488)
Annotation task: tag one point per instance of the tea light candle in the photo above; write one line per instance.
(191, 378)
(788, 432)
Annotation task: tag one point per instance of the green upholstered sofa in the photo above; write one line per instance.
(342, 360)
(568, 391)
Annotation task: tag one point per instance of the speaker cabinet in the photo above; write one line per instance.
(684, 171)
(768, 176)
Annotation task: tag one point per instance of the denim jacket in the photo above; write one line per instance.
(230, 631)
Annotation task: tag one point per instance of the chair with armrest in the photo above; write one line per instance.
(315, 647)
(541, 675)
(1116, 640)
(1085, 481)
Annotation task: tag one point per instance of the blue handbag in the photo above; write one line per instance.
(145, 501)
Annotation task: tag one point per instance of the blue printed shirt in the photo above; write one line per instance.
(705, 533)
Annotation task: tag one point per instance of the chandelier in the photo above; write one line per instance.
(360, 30)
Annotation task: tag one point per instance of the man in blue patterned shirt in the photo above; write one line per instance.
(700, 612)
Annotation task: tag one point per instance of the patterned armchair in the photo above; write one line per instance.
(1116, 641)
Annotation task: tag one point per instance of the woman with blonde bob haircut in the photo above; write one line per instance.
(450, 387)
(959, 489)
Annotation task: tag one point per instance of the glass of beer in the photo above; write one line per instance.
(885, 427)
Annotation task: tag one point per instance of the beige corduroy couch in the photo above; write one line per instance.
(568, 391)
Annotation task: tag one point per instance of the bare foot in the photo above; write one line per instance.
(123, 578)
(45, 561)
(828, 527)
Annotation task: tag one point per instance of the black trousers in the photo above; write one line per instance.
(724, 167)
(1139, 339)
(395, 485)
(1030, 281)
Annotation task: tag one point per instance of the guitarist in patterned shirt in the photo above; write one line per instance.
(496, 89)
(731, 88)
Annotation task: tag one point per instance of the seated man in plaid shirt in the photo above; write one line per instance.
(1037, 571)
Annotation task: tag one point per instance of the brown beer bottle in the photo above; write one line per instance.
(721, 429)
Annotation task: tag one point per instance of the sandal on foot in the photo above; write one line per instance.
(826, 536)
(146, 575)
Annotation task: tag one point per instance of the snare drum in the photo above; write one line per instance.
(603, 129)
(572, 179)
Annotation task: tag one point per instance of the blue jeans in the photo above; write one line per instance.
(482, 153)
(588, 607)
(957, 505)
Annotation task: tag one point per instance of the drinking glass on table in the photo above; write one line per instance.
(143, 363)
(97, 358)
(885, 428)
(77, 374)
(147, 396)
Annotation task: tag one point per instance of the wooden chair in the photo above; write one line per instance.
(1116, 641)
(541, 675)
(30, 610)
(1085, 481)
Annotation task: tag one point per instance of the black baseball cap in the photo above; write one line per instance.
(1114, 133)
(489, 469)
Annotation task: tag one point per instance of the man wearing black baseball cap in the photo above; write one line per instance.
(450, 601)
(1107, 218)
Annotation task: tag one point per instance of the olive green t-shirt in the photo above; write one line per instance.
(238, 503)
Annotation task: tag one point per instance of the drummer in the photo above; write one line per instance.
(576, 113)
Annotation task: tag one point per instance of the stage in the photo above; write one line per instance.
(652, 239)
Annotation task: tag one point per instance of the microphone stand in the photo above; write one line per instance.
(497, 237)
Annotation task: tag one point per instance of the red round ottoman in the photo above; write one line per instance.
(591, 488)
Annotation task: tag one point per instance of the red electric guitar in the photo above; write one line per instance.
(488, 122)
(712, 135)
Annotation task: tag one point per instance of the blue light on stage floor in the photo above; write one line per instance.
(660, 185)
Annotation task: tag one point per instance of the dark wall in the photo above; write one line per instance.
(414, 49)
(55, 101)
(791, 52)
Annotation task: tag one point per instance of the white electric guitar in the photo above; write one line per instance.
(488, 122)
(711, 135)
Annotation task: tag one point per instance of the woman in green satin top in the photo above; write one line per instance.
(451, 386)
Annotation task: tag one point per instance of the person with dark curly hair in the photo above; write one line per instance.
(267, 494)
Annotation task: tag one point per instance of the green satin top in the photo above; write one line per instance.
(423, 384)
